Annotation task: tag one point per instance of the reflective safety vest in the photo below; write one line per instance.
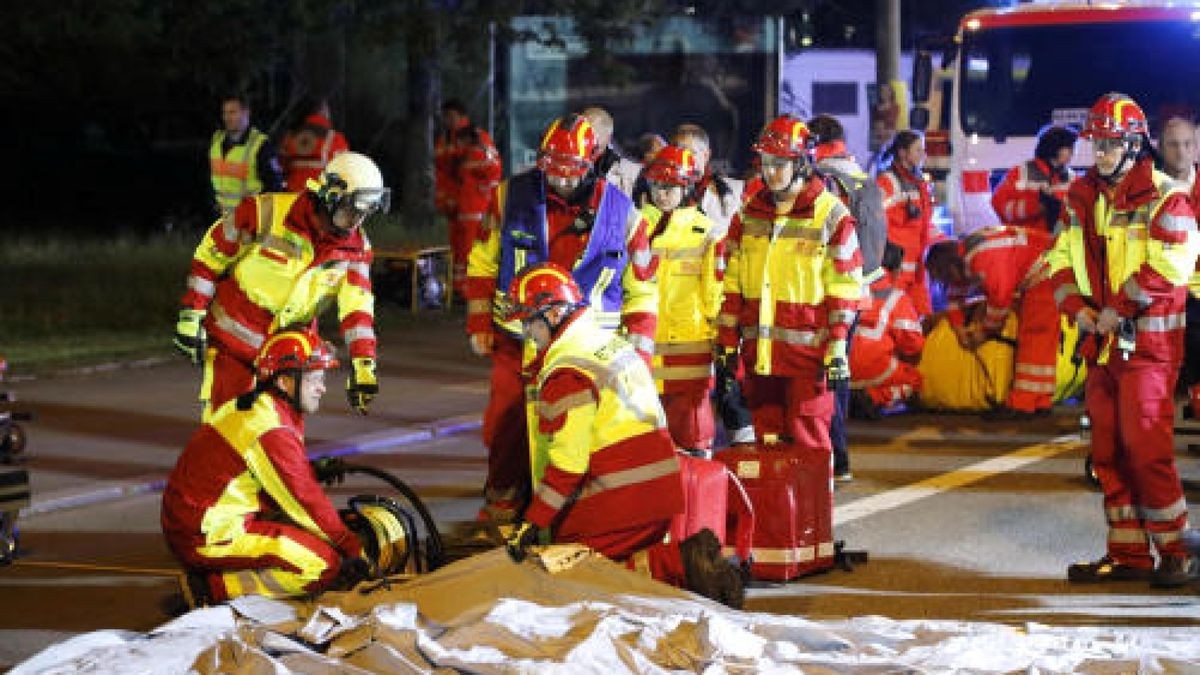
(1136, 260)
(235, 174)
(601, 452)
(690, 273)
(524, 241)
(789, 281)
(279, 278)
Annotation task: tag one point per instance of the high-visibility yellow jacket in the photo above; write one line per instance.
(234, 174)
(793, 281)
(691, 271)
(271, 264)
(1131, 248)
(602, 453)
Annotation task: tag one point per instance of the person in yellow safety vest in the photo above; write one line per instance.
(691, 271)
(278, 260)
(1120, 269)
(605, 471)
(792, 285)
(247, 462)
(241, 158)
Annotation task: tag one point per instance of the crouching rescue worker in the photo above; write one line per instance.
(242, 509)
(605, 470)
(1120, 269)
(276, 261)
(690, 273)
(1005, 264)
(887, 344)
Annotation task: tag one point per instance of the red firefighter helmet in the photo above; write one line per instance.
(568, 147)
(673, 165)
(537, 289)
(298, 350)
(784, 136)
(1115, 115)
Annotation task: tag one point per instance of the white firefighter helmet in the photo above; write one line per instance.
(351, 179)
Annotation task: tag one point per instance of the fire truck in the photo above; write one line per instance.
(982, 97)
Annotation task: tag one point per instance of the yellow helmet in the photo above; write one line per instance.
(352, 180)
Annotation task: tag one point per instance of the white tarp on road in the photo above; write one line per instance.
(487, 615)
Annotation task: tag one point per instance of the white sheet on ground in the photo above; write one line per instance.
(488, 615)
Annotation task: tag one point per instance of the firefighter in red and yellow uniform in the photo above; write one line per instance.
(1005, 264)
(307, 148)
(1120, 269)
(605, 468)
(908, 202)
(479, 173)
(1032, 194)
(277, 261)
(887, 342)
(245, 468)
(792, 285)
(560, 212)
(691, 270)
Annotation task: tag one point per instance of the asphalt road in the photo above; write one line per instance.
(962, 519)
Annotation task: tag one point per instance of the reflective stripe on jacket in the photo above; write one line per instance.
(268, 265)
(908, 203)
(889, 326)
(234, 174)
(239, 465)
(1131, 248)
(1018, 201)
(602, 451)
(691, 269)
(792, 283)
(1005, 260)
(306, 151)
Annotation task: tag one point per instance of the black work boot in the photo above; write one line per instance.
(1106, 569)
(1174, 571)
(708, 573)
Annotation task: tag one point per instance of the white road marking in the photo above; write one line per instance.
(972, 473)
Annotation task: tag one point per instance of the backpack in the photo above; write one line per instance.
(866, 205)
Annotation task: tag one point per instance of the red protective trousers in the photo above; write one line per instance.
(1132, 413)
(1035, 365)
(505, 425)
(225, 378)
(797, 407)
(690, 418)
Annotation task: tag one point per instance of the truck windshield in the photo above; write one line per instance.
(1014, 80)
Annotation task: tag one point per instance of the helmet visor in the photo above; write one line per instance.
(370, 200)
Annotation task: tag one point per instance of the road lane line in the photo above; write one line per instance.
(972, 473)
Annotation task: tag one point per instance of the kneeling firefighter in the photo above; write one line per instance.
(243, 510)
(605, 469)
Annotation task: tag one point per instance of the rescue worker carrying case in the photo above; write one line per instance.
(790, 488)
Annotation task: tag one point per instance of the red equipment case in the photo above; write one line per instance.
(791, 489)
(714, 498)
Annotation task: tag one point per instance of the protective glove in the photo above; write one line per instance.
(837, 366)
(190, 338)
(1108, 321)
(329, 470)
(353, 570)
(1085, 320)
(482, 343)
(524, 535)
(361, 386)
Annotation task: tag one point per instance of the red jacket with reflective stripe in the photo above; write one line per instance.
(241, 465)
(306, 151)
(1002, 260)
(889, 326)
(1017, 199)
(908, 203)
(479, 172)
